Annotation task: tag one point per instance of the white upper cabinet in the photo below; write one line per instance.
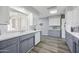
(4, 15)
(30, 19)
(54, 21)
(35, 19)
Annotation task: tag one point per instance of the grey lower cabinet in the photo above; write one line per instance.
(23, 46)
(54, 33)
(75, 45)
(20, 44)
(26, 42)
(69, 41)
(9, 46)
(26, 45)
(11, 49)
(31, 43)
(72, 42)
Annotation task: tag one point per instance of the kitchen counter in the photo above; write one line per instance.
(72, 40)
(19, 42)
(15, 34)
(74, 34)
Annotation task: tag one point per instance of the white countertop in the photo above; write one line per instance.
(74, 34)
(15, 34)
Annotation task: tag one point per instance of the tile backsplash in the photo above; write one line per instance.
(3, 29)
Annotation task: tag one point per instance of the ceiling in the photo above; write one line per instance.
(44, 10)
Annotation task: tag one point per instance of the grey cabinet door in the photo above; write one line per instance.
(77, 50)
(70, 44)
(75, 45)
(26, 44)
(54, 33)
(30, 42)
(9, 46)
(69, 40)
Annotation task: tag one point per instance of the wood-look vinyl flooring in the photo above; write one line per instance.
(50, 44)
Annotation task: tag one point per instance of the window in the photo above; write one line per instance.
(12, 26)
(19, 21)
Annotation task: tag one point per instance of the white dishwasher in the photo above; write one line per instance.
(37, 37)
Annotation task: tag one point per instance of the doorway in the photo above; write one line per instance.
(62, 26)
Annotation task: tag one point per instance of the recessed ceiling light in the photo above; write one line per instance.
(53, 11)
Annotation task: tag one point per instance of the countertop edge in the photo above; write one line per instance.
(74, 34)
(9, 36)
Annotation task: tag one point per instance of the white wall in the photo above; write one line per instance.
(3, 29)
(4, 18)
(44, 27)
(54, 20)
(35, 19)
(63, 27)
(4, 15)
(24, 23)
(72, 18)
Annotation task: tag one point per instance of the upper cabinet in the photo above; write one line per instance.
(54, 21)
(30, 19)
(35, 19)
(4, 15)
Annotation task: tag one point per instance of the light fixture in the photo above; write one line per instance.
(53, 11)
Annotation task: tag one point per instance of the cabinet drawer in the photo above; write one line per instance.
(26, 36)
(5, 43)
